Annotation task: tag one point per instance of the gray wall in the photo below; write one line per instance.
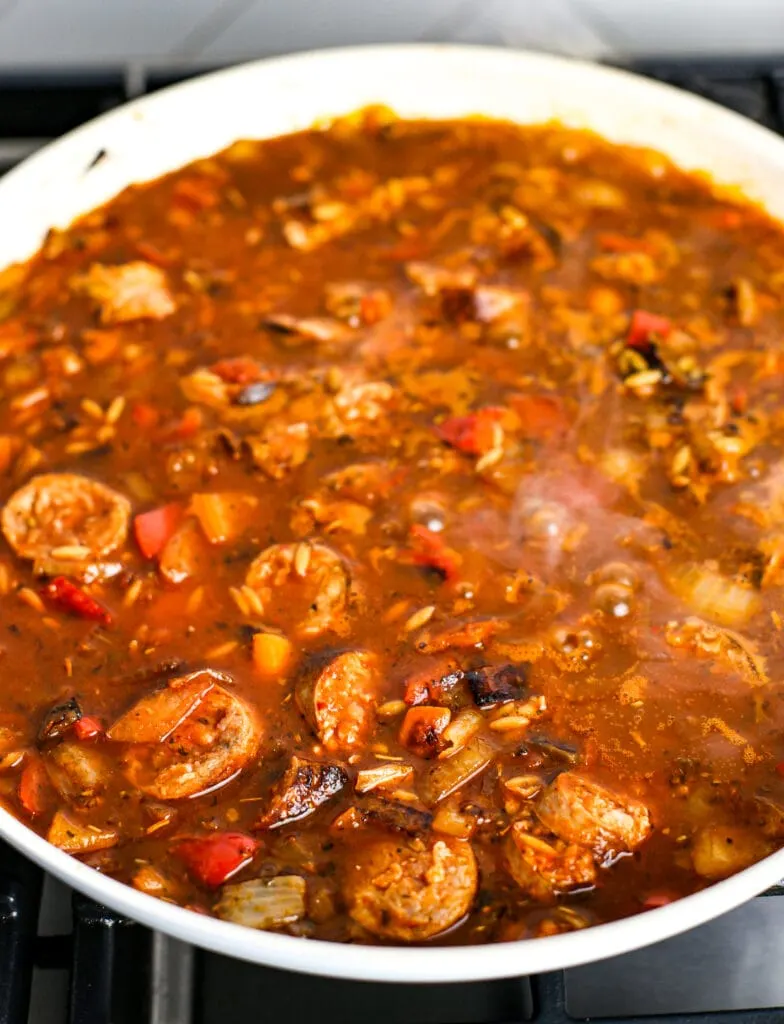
(202, 32)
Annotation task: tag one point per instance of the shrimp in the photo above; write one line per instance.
(433, 279)
(722, 645)
(462, 634)
(363, 401)
(58, 511)
(337, 698)
(409, 890)
(320, 330)
(580, 811)
(545, 870)
(280, 448)
(154, 718)
(364, 482)
(311, 573)
(331, 516)
(130, 291)
(78, 772)
(188, 738)
(346, 500)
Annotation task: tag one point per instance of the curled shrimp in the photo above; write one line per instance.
(188, 738)
(310, 574)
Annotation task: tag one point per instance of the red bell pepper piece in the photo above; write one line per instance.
(730, 219)
(72, 599)
(155, 528)
(87, 728)
(658, 899)
(195, 193)
(213, 859)
(780, 768)
(739, 399)
(417, 692)
(34, 787)
(431, 551)
(186, 426)
(611, 242)
(644, 325)
(152, 254)
(145, 416)
(473, 434)
(237, 370)
(374, 306)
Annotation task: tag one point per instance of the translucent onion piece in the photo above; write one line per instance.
(263, 903)
(714, 595)
(74, 837)
(720, 850)
(460, 730)
(444, 777)
(451, 821)
(382, 776)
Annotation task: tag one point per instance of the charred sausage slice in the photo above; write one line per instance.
(304, 787)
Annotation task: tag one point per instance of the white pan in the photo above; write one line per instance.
(151, 136)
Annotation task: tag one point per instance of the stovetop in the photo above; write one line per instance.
(66, 960)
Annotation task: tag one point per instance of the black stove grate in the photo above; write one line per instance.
(117, 972)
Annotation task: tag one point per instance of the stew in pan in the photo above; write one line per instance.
(394, 540)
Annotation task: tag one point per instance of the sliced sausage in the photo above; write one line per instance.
(408, 891)
(583, 812)
(305, 786)
(59, 720)
(395, 816)
(498, 685)
(545, 870)
(63, 510)
(337, 697)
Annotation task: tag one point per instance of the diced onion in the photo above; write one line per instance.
(718, 851)
(75, 837)
(450, 821)
(382, 775)
(713, 595)
(444, 777)
(263, 903)
(460, 730)
(139, 487)
(524, 786)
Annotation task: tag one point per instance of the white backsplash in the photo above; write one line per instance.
(207, 32)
